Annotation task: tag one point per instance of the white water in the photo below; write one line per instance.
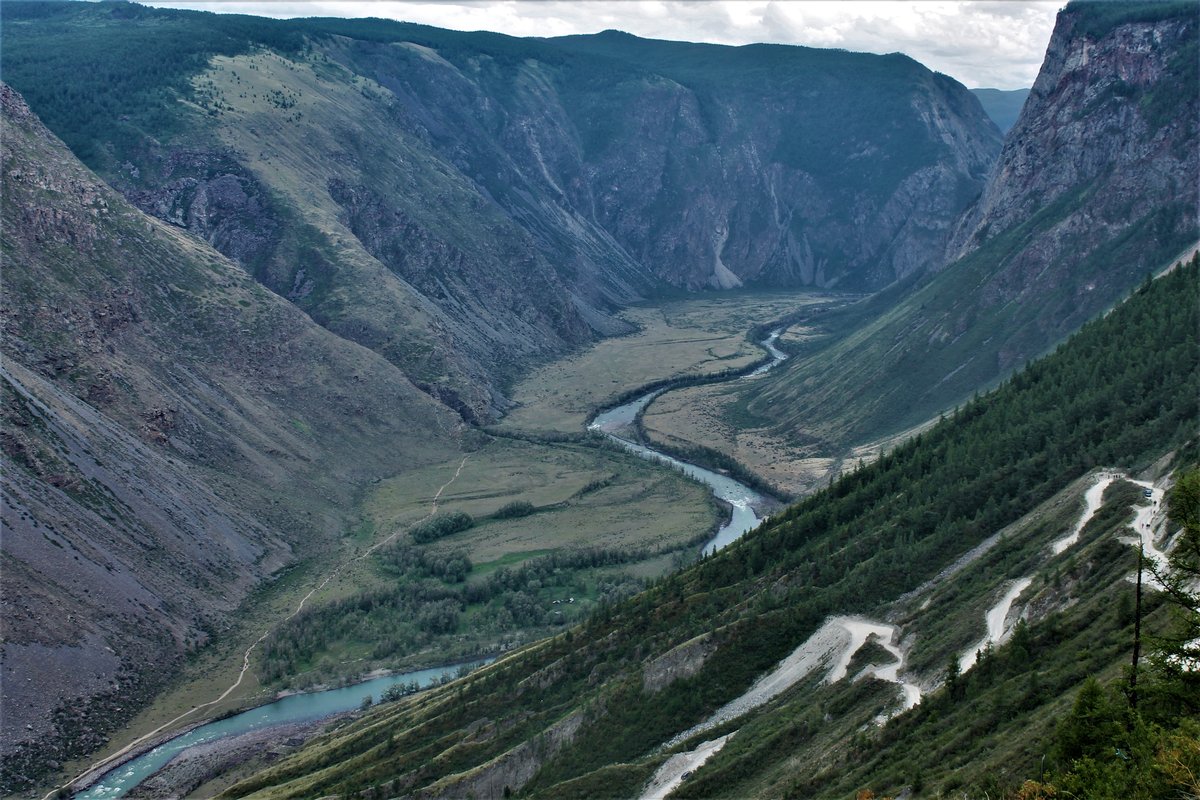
(777, 355)
(1091, 502)
(996, 616)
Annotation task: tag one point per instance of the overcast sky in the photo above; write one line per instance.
(996, 43)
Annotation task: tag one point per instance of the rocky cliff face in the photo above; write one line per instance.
(1108, 131)
(173, 434)
(775, 165)
(1094, 189)
(466, 205)
(711, 167)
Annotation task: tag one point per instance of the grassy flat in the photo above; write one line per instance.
(703, 414)
(641, 505)
(696, 336)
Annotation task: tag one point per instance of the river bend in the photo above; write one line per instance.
(618, 423)
(303, 707)
(745, 502)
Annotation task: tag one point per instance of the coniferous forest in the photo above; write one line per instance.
(693, 419)
(1121, 393)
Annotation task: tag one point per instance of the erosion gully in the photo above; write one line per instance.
(834, 644)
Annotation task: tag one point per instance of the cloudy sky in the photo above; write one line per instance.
(996, 43)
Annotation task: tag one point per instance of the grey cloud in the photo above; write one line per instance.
(979, 42)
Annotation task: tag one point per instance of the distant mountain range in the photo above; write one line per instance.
(1003, 106)
(460, 175)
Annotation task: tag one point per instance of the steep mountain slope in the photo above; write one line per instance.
(1095, 188)
(468, 204)
(594, 712)
(174, 434)
(1114, 104)
(716, 166)
(1002, 106)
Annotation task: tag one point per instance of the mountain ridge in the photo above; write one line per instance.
(159, 404)
(406, 219)
(591, 177)
(1087, 197)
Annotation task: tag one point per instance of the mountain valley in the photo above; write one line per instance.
(306, 324)
(603, 726)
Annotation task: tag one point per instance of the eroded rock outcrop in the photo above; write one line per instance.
(1095, 188)
(1104, 149)
(468, 205)
(680, 662)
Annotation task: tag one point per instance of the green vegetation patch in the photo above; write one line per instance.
(114, 73)
(1097, 19)
(431, 608)
(1121, 392)
(440, 526)
(515, 510)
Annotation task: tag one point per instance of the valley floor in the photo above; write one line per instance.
(582, 496)
(689, 337)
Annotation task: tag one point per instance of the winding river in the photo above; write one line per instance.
(618, 423)
(746, 503)
(293, 708)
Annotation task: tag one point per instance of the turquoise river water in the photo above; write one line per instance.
(315, 705)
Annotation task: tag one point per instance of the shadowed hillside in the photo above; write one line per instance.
(174, 435)
(495, 199)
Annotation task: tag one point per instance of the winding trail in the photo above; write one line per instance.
(834, 645)
(103, 765)
(1143, 524)
(995, 618)
(1091, 502)
(1146, 520)
(839, 638)
(862, 629)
